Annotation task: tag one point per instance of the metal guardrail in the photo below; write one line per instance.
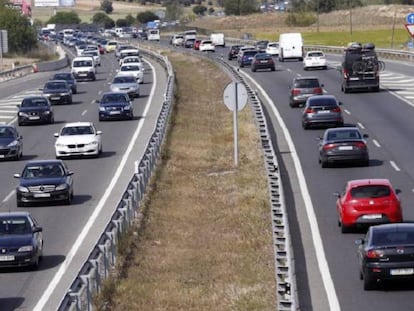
(103, 257)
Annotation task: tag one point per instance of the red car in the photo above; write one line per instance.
(197, 43)
(366, 202)
(101, 49)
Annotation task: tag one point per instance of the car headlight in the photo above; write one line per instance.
(59, 145)
(46, 112)
(102, 109)
(127, 107)
(14, 143)
(23, 114)
(92, 143)
(22, 189)
(26, 248)
(114, 89)
(62, 187)
(64, 94)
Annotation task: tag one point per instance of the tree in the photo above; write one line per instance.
(121, 22)
(240, 7)
(103, 19)
(106, 6)
(22, 37)
(146, 16)
(173, 11)
(199, 9)
(130, 20)
(65, 18)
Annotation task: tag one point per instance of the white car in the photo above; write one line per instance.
(314, 59)
(272, 48)
(131, 59)
(78, 139)
(95, 55)
(135, 69)
(207, 46)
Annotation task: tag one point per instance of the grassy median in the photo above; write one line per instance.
(205, 239)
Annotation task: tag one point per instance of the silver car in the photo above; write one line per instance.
(322, 110)
(125, 84)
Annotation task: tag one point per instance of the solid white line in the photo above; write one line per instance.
(78, 243)
(376, 143)
(395, 166)
(347, 111)
(361, 125)
(310, 212)
(84, 112)
(8, 196)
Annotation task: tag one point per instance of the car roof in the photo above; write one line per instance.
(15, 213)
(369, 181)
(44, 161)
(304, 78)
(345, 128)
(80, 123)
(393, 227)
(34, 97)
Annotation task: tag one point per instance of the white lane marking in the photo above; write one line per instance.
(395, 167)
(361, 125)
(84, 112)
(310, 211)
(376, 143)
(347, 111)
(5, 117)
(78, 243)
(8, 196)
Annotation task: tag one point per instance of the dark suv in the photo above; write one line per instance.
(302, 88)
(360, 68)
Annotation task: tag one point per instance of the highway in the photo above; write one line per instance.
(97, 191)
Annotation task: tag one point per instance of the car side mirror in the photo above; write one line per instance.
(56, 134)
(359, 241)
(397, 191)
(340, 103)
(365, 136)
(16, 175)
(337, 194)
(70, 173)
(37, 229)
(322, 85)
(98, 132)
(18, 105)
(96, 101)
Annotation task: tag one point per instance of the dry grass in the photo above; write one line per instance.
(207, 242)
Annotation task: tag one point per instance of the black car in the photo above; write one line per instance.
(11, 143)
(58, 92)
(263, 61)
(386, 253)
(44, 181)
(115, 105)
(69, 78)
(343, 144)
(21, 240)
(233, 51)
(302, 88)
(35, 109)
(189, 43)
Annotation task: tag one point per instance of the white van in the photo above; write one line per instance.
(153, 35)
(290, 46)
(218, 39)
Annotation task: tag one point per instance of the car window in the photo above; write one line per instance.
(306, 83)
(77, 130)
(15, 225)
(322, 101)
(124, 80)
(393, 238)
(62, 77)
(82, 63)
(6, 132)
(262, 56)
(315, 54)
(44, 170)
(55, 85)
(341, 135)
(370, 191)
(111, 98)
(129, 68)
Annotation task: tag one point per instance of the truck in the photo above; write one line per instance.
(290, 46)
(218, 39)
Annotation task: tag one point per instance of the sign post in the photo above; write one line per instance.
(235, 98)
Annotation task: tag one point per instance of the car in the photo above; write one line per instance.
(95, 54)
(177, 39)
(207, 46)
(69, 78)
(322, 110)
(343, 144)
(58, 92)
(273, 48)
(365, 202)
(35, 109)
(115, 105)
(11, 143)
(386, 253)
(78, 139)
(79, 49)
(261, 45)
(262, 61)
(21, 240)
(246, 58)
(233, 51)
(83, 68)
(125, 84)
(131, 59)
(302, 88)
(120, 47)
(197, 43)
(110, 46)
(244, 48)
(314, 60)
(189, 43)
(127, 53)
(44, 181)
(132, 69)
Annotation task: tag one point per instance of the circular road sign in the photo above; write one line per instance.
(231, 99)
(410, 18)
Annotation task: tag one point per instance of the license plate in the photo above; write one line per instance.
(324, 111)
(34, 118)
(372, 216)
(406, 271)
(83, 75)
(6, 258)
(55, 98)
(354, 79)
(114, 112)
(41, 195)
(345, 147)
(1, 155)
(263, 61)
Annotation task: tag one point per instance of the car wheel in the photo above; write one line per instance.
(52, 120)
(305, 68)
(345, 90)
(365, 163)
(369, 282)
(19, 203)
(273, 69)
(93, 78)
(19, 123)
(345, 229)
(68, 201)
(35, 265)
(75, 91)
(324, 164)
(305, 126)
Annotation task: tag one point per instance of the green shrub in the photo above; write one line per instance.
(302, 19)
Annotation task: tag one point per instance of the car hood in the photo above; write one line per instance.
(27, 109)
(131, 72)
(13, 240)
(27, 182)
(4, 141)
(57, 91)
(76, 139)
(114, 104)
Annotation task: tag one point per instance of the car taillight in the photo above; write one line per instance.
(360, 144)
(317, 90)
(346, 73)
(337, 109)
(295, 92)
(374, 253)
(329, 146)
(309, 110)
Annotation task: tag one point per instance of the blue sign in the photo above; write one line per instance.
(410, 18)
(410, 45)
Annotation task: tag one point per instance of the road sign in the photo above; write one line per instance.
(410, 18)
(235, 94)
(410, 29)
(410, 45)
(4, 43)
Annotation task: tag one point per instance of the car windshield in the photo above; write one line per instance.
(321, 101)
(55, 85)
(76, 130)
(401, 237)
(82, 63)
(6, 132)
(35, 102)
(249, 53)
(315, 54)
(113, 98)
(43, 170)
(62, 76)
(341, 135)
(14, 225)
(370, 192)
(132, 60)
(124, 80)
(306, 83)
(130, 68)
